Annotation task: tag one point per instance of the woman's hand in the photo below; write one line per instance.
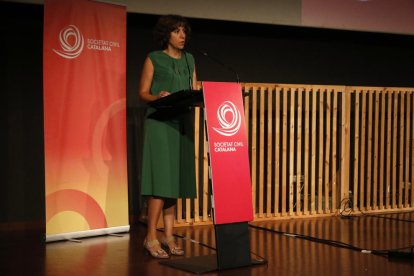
(163, 94)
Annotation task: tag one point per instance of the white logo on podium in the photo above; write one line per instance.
(229, 119)
(71, 41)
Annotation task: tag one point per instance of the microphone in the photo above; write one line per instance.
(220, 63)
(190, 78)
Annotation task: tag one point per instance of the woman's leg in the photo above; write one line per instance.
(151, 242)
(155, 206)
(168, 216)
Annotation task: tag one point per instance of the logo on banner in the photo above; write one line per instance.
(71, 40)
(229, 119)
(72, 43)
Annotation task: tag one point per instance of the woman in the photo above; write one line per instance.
(168, 157)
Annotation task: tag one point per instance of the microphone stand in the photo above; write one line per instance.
(220, 63)
(190, 79)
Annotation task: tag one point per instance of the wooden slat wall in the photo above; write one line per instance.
(316, 150)
(383, 149)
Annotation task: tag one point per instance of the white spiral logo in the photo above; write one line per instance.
(228, 127)
(70, 50)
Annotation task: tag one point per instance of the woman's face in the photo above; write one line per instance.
(177, 38)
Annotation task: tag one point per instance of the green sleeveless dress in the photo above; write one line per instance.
(168, 164)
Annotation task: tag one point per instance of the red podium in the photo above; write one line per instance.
(230, 175)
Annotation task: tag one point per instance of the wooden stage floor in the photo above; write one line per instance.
(27, 254)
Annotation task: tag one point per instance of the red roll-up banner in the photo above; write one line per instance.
(84, 77)
(229, 156)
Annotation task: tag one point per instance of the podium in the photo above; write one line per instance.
(184, 98)
(230, 174)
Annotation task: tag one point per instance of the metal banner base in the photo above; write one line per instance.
(233, 251)
(202, 264)
(197, 264)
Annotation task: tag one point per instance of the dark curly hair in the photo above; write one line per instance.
(168, 23)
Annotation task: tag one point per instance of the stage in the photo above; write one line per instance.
(295, 247)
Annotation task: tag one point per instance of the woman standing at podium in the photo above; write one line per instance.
(168, 169)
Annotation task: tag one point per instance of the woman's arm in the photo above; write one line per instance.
(144, 90)
(194, 79)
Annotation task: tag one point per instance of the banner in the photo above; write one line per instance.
(229, 156)
(84, 77)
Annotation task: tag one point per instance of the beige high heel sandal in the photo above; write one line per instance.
(154, 249)
(171, 246)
